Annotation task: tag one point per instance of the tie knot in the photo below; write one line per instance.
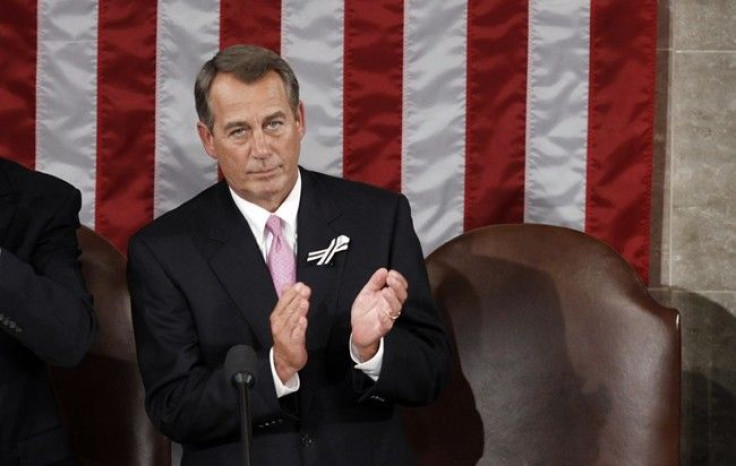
(273, 224)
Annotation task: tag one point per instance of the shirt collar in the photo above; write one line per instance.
(256, 216)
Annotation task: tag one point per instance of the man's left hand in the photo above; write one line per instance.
(376, 309)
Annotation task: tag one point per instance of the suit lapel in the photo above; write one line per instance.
(238, 263)
(316, 213)
(315, 228)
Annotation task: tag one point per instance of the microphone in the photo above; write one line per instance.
(240, 368)
(240, 365)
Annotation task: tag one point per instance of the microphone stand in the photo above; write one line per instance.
(242, 381)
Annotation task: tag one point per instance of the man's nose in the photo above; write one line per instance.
(260, 144)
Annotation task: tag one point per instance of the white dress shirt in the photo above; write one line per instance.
(256, 216)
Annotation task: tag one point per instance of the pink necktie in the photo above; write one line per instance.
(280, 257)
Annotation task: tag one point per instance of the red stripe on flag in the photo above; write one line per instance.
(496, 112)
(257, 23)
(250, 22)
(372, 92)
(126, 118)
(18, 20)
(621, 115)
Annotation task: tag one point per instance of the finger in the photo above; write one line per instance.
(397, 281)
(395, 275)
(303, 290)
(296, 306)
(281, 314)
(289, 294)
(376, 282)
(390, 304)
(391, 300)
(300, 330)
(399, 291)
(386, 318)
(299, 312)
(293, 302)
(297, 294)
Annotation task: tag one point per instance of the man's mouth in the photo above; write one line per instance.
(264, 171)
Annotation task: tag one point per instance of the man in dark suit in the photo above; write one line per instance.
(45, 311)
(339, 349)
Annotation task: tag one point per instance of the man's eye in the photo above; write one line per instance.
(274, 124)
(237, 132)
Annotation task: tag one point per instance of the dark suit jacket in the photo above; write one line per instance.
(199, 286)
(45, 312)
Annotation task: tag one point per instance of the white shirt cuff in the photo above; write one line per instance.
(371, 367)
(283, 389)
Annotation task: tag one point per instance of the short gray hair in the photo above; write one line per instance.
(248, 63)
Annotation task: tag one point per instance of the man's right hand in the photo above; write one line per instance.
(289, 330)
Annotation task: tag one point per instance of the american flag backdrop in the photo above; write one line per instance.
(480, 111)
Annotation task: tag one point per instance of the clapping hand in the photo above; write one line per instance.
(376, 309)
(289, 330)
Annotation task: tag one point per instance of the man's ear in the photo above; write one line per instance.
(208, 140)
(300, 119)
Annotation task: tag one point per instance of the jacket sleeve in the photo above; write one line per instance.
(417, 361)
(43, 302)
(187, 398)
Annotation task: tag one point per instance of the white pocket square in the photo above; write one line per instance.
(324, 256)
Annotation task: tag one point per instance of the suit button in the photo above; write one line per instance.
(307, 440)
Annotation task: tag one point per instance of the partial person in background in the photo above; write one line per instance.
(323, 277)
(45, 312)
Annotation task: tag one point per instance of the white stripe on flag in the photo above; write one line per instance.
(312, 42)
(435, 49)
(188, 35)
(66, 93)
(557, 112)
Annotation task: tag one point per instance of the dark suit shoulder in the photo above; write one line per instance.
(33, 184)
(190, 217)
(346, 193)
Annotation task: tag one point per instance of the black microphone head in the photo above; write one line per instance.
(240, 365)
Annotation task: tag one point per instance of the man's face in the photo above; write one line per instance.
(256, 138)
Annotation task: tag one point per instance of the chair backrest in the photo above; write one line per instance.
(101, 400)
(562, 356)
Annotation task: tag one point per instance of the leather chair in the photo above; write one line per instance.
(561, 355)
(101, 400)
